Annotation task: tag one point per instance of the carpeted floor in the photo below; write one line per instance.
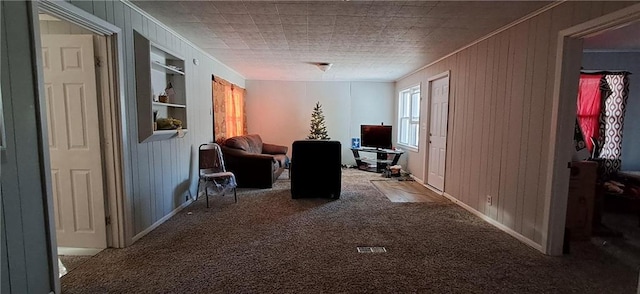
(270, 243)
(71, 262)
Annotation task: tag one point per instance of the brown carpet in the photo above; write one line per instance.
(270, 243)
(71, 262)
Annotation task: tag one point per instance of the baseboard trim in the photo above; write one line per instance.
(427, 185)
(485, 218)
(433, 189)
(78, 251)
(495, 223)
(161, 221)
(417, 179)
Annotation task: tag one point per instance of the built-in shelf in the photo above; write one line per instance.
(169, 105)
(167, 69)
(160, 135)
(156, 72)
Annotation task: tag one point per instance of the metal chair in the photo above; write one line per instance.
(213, 173)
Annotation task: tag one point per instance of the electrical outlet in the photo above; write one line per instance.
(489, 200)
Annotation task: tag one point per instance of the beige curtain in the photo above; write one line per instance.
(230, 117)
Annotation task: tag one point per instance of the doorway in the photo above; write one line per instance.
(438, 91)
(81, 110)
(568, 68)
(617, 206)
(71, 93)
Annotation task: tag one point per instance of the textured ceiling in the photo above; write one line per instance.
(364, 40)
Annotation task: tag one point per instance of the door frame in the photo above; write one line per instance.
(113, 125)
(430, 80)
(563, 114)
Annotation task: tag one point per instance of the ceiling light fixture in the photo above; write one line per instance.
(324, 66)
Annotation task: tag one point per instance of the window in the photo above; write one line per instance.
(409, 117)
(229, 112)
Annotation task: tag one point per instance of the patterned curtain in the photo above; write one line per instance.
(613, 116)
(230, 117)
(589, 105)
(236, 115)
(219, 110)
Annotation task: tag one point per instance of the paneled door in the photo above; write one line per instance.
(74, 140)
(439, 110)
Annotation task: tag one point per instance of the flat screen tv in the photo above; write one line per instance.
(375, 136)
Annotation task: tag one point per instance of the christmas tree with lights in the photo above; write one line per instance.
(318, 128)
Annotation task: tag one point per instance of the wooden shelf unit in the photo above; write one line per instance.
(156, 68)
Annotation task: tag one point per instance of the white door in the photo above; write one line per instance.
(74, 140)
(439, 105)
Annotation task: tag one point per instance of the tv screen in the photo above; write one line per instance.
(376, 136)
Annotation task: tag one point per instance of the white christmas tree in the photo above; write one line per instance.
(318, 129)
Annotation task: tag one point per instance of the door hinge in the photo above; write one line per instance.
(98, 62)
(107, 220)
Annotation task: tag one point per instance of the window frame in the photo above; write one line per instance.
(404, 108)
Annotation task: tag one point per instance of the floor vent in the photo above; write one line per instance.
(372, 250)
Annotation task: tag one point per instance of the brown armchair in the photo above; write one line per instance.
(254, 163)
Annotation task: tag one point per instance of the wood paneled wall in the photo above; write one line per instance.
(162, 172)
(25, 260)
(500, 117)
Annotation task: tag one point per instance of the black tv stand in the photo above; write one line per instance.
(382, 158)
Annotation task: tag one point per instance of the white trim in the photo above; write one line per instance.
(427, 185)
(563, 120)
(439, 76)
(557, 176)
(78, 251)
(500, 30)
(486, 218)
(144, 13)
(162, 220)
(495, 223)
(603, 23)
(408, 88)
(407, 147)
(611, 50)
(433, 189)
(68, 12)
(111, 147)
(425, 157)
(411, 91)
(417, 179)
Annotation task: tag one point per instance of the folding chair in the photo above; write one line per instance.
(212, 172)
